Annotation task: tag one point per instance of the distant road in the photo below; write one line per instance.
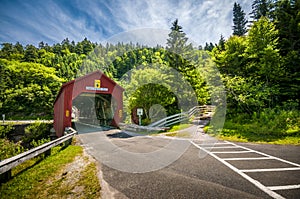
(196, 174)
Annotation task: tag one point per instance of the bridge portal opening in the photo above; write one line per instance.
(97, 109)
(91, 99)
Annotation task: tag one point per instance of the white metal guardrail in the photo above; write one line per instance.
(9, 163)
(180, 117)
(202, 112)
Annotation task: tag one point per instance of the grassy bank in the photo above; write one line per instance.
(269, 126)
(67, 173)
(178, 131)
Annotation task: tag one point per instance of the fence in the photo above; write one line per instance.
(203, 112)
(9, 163)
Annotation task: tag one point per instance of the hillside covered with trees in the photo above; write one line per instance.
(259, 66)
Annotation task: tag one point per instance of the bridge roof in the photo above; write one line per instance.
(82, 79)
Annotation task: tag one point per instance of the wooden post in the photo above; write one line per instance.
(47, 153)
(4, 177)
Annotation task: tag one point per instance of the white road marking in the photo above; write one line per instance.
(258, 158)
(264, 154)
(272, 169)
(232, 152)
(255, 182)
(285, 187)
(223, 147)
(213, 144)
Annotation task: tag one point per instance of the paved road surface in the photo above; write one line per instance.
(200, 172)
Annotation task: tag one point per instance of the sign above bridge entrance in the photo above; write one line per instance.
(97, 83)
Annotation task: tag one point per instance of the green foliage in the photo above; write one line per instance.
(268, 125)
(9, 149)
(36, 134)
(27, 88)
(247, 94)
(148, 87)
(5, 129)
(252, 68)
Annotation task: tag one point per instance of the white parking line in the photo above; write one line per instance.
(255, 182)
(223, 147)
(264, 154)
(258, 158)
(285, 187)
(215, 152)
(266, 170)
(214, 143)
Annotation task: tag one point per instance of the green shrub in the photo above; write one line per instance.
(4, 130)
(36, 134)
(268, 124)
(9, 149)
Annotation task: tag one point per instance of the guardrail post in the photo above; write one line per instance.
(47, 153)
(68, 142)
(4, 177)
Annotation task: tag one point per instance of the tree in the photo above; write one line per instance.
(6, 50)
(178, 47)
(287, 15)
(27, 88)
(232, 60)
(261, 8)
(239, 20)
(221, 44)
(149, 86)
(183, 58)
(264, 58)
(31, 54)
(209, 47)
(252, 68)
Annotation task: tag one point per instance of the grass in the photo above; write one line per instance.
(176, 131)
(53, 177)
(179, 127)
(179, 134)
(268, 140)
(270, 126)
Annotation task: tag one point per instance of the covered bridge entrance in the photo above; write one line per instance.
(93, 99)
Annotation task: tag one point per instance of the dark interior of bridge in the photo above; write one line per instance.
(92, 108)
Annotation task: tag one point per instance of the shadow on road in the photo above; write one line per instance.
(119, 135)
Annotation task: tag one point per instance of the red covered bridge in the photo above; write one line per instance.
(93, 98)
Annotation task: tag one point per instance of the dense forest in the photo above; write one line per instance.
(259, 65)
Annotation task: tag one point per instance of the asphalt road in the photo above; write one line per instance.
(188, 173)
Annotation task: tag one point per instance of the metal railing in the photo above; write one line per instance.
(9, 163)
(185, 116)
(203, 112)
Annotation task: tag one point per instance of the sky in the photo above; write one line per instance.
(145, 21)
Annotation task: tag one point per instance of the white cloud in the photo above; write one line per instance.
(203, 21)
(30, 22)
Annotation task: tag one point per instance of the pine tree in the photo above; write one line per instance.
(221, 44)
(239, 20)
(181, 57)
(177, 41)
(261, 8)
(287, 15)
(209, 47)
(178, 47)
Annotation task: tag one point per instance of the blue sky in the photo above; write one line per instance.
(51, 21)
